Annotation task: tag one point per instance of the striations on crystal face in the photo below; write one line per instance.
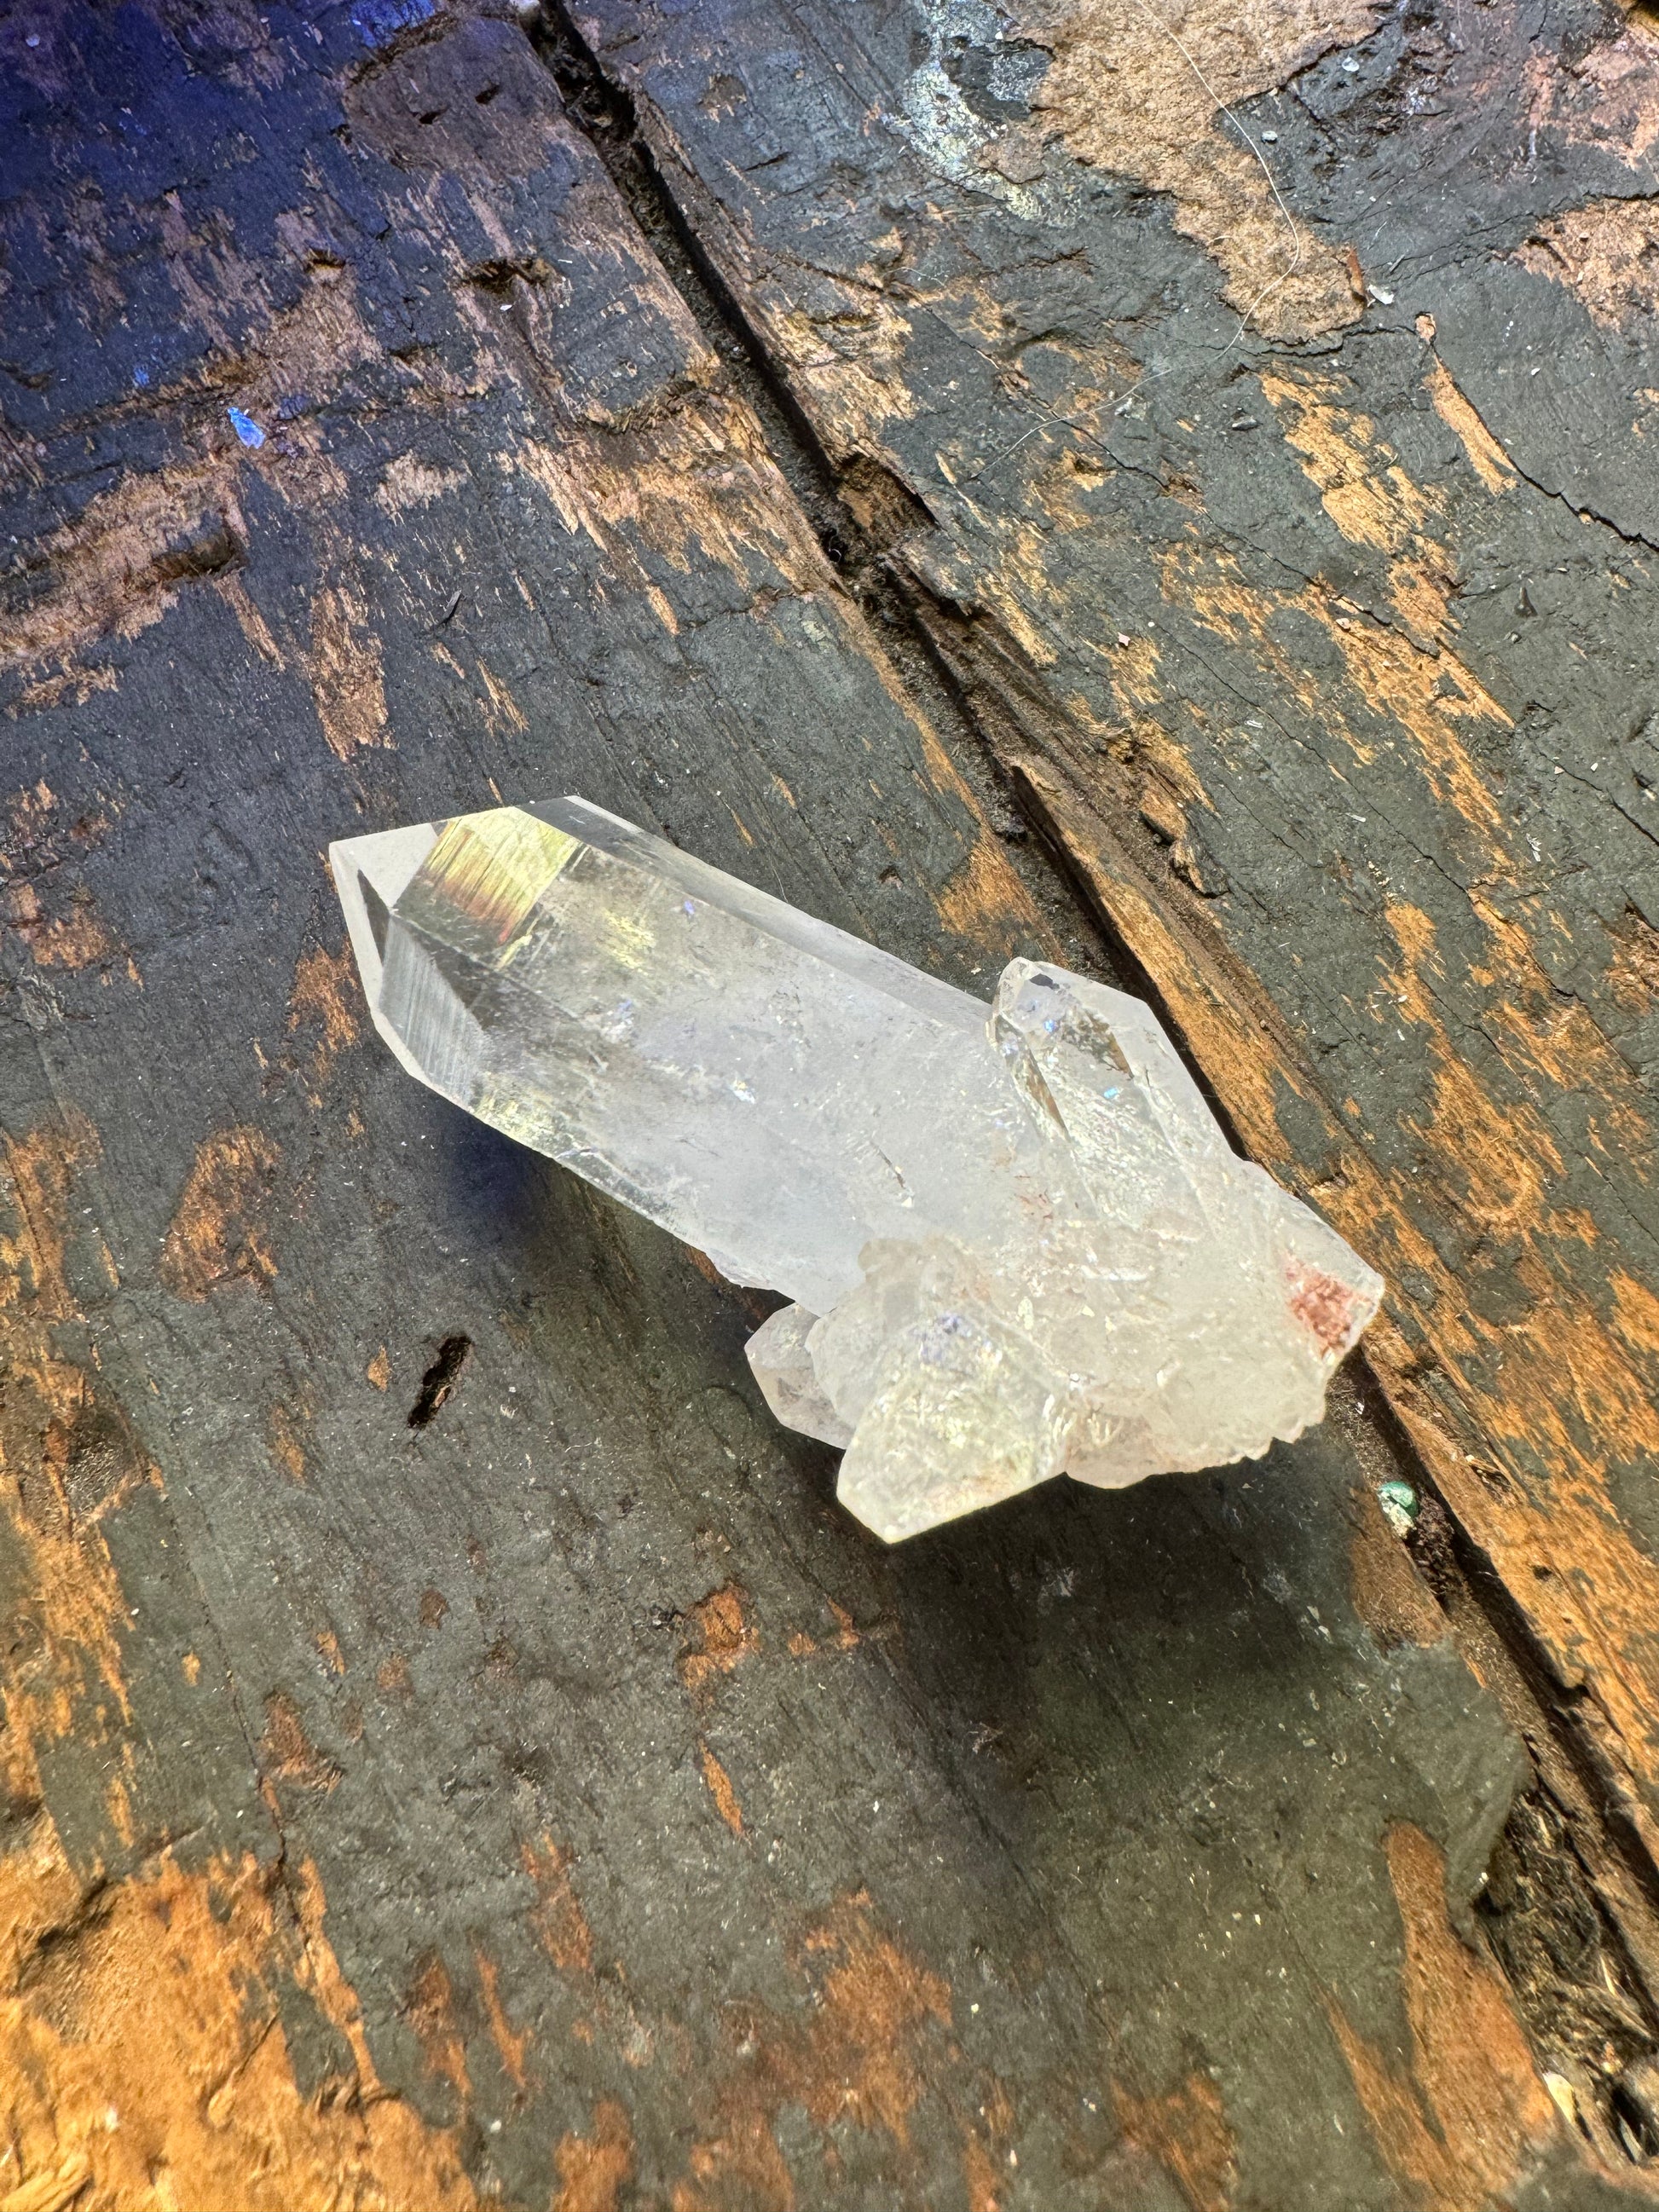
(1014, 1240)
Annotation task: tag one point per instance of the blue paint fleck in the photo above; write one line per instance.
(687, 908)
(141, 378)
(246, 427)
(377, 20)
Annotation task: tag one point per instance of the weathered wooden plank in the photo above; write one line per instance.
(1324, 649)
(558, 1800)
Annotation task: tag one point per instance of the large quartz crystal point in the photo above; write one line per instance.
(1014, 1240)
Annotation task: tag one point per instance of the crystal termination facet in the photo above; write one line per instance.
(1015, 1241)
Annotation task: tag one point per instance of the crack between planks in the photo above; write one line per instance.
(857, 552)
(909, 617)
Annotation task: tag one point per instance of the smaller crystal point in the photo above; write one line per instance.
(1016, 1241)
(778, 1354)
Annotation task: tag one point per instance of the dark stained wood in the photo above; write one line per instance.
(1323, 650)
(557, 1800)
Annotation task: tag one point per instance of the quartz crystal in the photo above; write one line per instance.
(1014, 1241)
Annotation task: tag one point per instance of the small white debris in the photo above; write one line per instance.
(1566, 2100)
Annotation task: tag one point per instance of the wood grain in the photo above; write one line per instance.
(1328, 661)
(557, 1800)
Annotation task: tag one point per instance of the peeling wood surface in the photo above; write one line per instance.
(1328, 655)
(455, 1752)
(1322, 648)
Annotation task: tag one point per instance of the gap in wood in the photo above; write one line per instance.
(1568, 1909)
(858, 553)
(438, 1383)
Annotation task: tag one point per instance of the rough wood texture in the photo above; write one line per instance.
(455, 1751)
(1324, 655)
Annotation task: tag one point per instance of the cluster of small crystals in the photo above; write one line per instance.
(1014, 1241)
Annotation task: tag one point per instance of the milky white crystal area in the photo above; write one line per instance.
(1015, 1241)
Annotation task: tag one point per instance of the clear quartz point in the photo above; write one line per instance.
(1015, 1241)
